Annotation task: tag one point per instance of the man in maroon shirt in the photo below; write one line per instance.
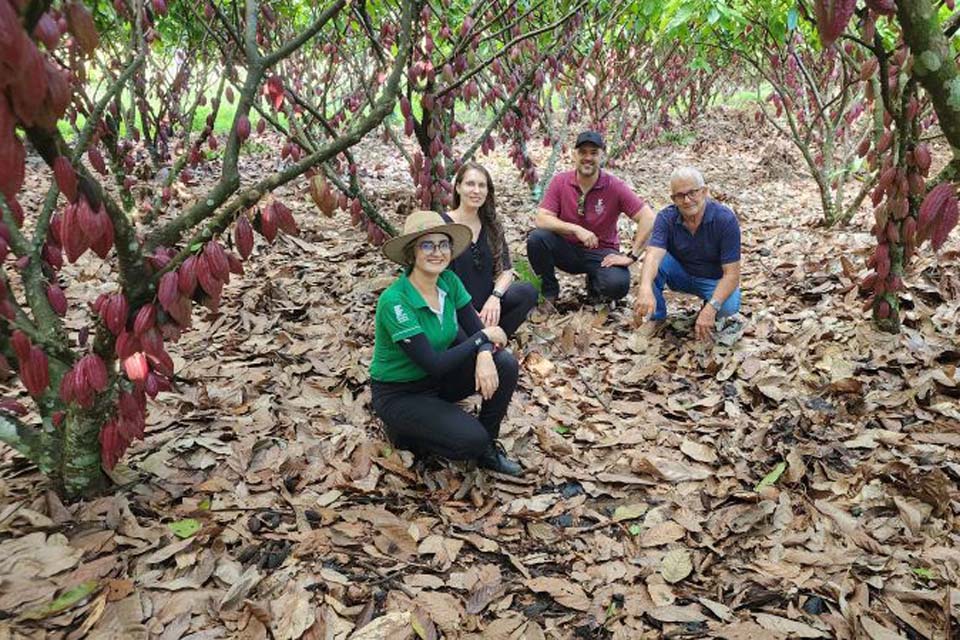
(577, 226)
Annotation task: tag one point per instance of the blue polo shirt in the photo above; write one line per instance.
(716, 242)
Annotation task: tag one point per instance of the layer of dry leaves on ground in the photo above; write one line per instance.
(797, 479)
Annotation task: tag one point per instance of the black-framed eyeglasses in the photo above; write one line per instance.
(582, 205)
(686, 195)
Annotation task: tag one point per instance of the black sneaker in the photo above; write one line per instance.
(495, 459)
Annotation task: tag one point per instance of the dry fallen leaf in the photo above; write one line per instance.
(567, 593)
(676, 565)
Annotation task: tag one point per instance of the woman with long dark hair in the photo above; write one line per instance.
(485, 268)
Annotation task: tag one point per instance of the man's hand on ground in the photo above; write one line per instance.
(645, 305)
(706, 321)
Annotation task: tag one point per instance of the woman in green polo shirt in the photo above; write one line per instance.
(419, 371)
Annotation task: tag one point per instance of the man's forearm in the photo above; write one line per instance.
(644, 220)
(555, 224)
(726, 286)
(651, 263)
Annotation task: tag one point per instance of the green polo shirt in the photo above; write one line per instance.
(403, 313)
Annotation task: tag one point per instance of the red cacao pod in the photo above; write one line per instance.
(161, 362)
(243, 128)
(922, 158)
(115, 313)
(236, 266)
(136, 367)
(102, 245)
(47, 31)
(21, 344)
(82, 27)
(882, 260)
(146, 318)
(127, 344)
(208, 281)
(187, 276)
(94, 372)
(66, 177)
(243, 236)
(112, 445)
(892, 232)
(57, 299)
(96, 160)
(167, 291)
(946, 221)
(151, 342)
(885, 7)
(35, 372)
(92, 223)
(268, 223)
(216, 259)
(181, 311)
(284, 218)
(935, 201)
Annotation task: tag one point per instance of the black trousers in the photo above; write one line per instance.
(548, 251)
(422, 416)
(515, 306)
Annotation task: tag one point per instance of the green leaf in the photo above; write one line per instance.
(681, 17)
(562, 430)
(65, 601)
(713, 16)
(792, 18)
(635, 529)
(923, 572)
(196, 246)
(185, 528)
(204, 504)
(770, 479)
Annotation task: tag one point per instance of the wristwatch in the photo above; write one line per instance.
(632, 256)
(713, 302)
(497, 294)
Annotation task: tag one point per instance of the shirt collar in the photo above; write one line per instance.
(708, 214)
(412, 294)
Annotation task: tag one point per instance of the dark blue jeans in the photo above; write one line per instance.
(548, 251)
(672, 275)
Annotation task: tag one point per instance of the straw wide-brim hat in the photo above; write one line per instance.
(420, 223)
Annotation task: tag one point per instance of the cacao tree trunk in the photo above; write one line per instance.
(78, 470)
(935, 69)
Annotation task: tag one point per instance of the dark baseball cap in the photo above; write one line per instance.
(591, 137)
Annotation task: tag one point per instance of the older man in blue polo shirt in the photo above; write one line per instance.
(694, 248)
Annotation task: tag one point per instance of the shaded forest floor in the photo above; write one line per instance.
(644, 511)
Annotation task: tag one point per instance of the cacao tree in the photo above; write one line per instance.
(86, 103)
(822, 102)
(910, 206)
(488, 59)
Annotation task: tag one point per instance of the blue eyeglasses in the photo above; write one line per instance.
(429, 246)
